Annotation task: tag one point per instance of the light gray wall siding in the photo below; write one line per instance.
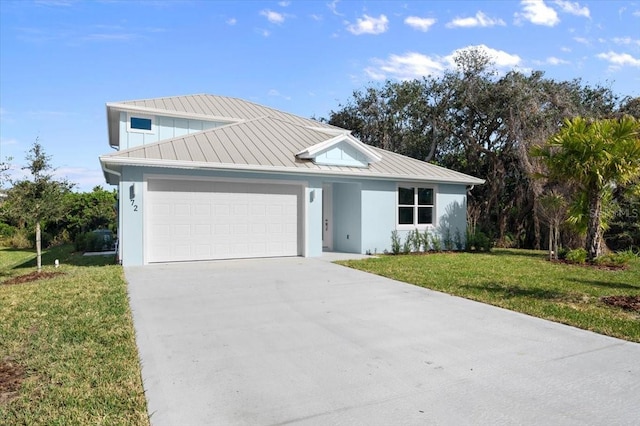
(163, 128)
(347, 217)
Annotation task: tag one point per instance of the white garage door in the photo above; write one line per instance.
(202, 220)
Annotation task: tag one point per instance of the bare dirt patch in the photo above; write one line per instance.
(30, 277)
(11, 376)
(628, 303)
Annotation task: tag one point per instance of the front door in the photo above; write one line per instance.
(327, 216)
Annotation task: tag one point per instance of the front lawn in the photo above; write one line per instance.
(67, 346)
(523, 281)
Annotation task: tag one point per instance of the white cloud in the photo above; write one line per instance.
(316, 17)
(565, 49)
(625, 40)
(636, 13)
(416, 65)
(284, 3)
(552, 60)
(420, 24)
(500, 58)
(333, 7)
(479, 20)
(618, 60)
(275, 93)
(405, 67)
(538, 13)
(273, 17)
(369, 25)
(573, 8)
(232, 21)
(582, 40)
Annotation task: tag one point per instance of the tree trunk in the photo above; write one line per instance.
(594, 237)
(38, 247)
(551, 241)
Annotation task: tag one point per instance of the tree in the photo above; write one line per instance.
(596, 156)
(552, 208)
(38, 199)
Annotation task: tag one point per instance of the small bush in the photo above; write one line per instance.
(94, 241)
(395, 242)
(20, 240)
(7, 230)
(577, 256)
(562, 253)
(416, 240)
(457, 240)
(447, 240)
(618, 259)
(426, 240)
(406, 247)
(436, 243)
(479, 241)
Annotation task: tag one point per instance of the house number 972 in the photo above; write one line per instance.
(134, 205)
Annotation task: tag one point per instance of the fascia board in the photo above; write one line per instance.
(107, 160)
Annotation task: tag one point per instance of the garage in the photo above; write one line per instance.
(187, 220)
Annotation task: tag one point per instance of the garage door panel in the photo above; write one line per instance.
(190, 220)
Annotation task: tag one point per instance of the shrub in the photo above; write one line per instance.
(436, 243)
(406, 247)
(447, 239)
(20, 240)
(457, 240)
(416, 240)
(577, 256)
(7, 230)
(479, 241)
(426, 240)
(94, 241)
(621, 258)
(562, 253)
(395, 242)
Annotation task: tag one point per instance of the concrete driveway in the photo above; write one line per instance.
(304, 341)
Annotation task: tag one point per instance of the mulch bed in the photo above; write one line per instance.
(11, 376)
(33, 276)
(628, 303)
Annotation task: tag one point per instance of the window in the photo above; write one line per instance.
(415, 206)
(140, 123)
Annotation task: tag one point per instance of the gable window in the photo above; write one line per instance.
(140, 123)
(415, 206)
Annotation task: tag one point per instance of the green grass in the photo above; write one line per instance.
(523, 281)
(72, 335)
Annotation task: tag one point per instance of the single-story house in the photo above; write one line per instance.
(204, 177)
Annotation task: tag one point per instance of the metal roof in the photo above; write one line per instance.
(261, 139)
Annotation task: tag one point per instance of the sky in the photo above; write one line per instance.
(61, 61)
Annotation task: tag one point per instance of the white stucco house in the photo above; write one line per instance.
(204, 177)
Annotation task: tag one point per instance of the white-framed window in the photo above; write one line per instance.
(415, 207)
(140, 123)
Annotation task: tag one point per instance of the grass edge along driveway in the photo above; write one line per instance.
(523, 281)
(68, 343)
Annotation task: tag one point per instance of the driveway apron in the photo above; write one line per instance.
(307, 342)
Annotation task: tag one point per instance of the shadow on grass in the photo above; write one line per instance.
(606, 284)
(531, 254)
(67, 256)
(515, 291)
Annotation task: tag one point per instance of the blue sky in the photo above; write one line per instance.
(61, 61)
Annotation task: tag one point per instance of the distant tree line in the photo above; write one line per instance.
(479, 122)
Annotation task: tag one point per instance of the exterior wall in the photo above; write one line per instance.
(364, 211)
(347, 217)
(451, 211)
(378, 215)
(132, 210)
(163, 128)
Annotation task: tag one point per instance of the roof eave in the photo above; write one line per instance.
(108, 162)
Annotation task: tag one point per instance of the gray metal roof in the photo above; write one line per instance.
(261, 139)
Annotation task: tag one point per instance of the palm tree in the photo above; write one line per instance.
(596, 156)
